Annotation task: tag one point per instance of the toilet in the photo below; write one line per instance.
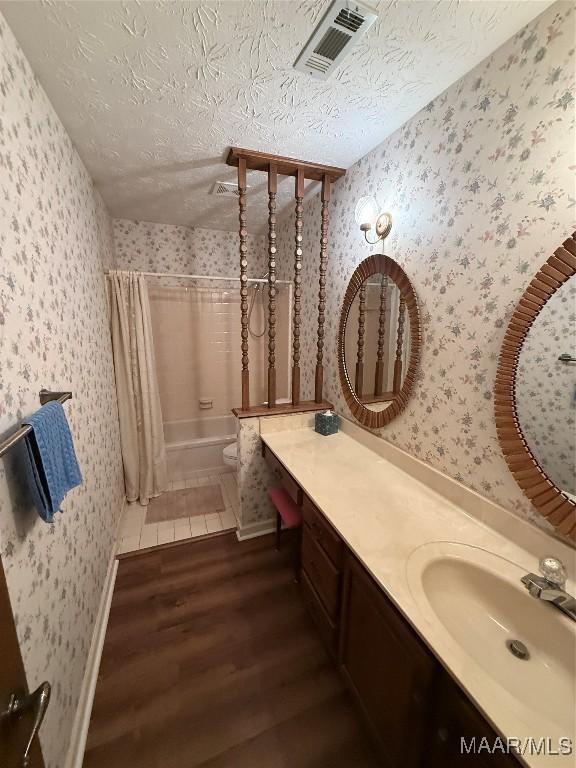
(230, 455)
(230, 452)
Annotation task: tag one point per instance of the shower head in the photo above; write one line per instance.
(257, 286)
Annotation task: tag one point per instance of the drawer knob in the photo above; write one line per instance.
(443, 735)
(418, 698)
(317, 531)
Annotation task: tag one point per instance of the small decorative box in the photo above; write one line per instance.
(326, 423)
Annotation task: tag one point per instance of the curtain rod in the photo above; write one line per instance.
(203, 277)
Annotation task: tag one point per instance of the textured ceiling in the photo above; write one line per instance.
(152, 93)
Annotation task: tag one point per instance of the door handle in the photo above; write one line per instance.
(37, 702)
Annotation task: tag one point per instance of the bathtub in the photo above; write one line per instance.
(197, 444)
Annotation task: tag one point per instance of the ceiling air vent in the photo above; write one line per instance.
(225, 189)
(341, 26)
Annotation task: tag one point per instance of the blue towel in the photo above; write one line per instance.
(52, 466)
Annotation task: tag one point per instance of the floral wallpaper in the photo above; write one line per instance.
(256, 511)
(55, 241)
(149, 247)
(480, 184)
(546, 388)
(254, 477)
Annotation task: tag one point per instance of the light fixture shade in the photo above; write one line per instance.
(366, 211)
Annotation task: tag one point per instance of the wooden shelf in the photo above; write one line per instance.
(285, 408)
(285, 166)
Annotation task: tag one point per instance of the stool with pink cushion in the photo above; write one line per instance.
(288, 516)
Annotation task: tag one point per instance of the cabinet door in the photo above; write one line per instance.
(388, 670)
(455, 718)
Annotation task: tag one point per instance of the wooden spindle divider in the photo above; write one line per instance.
(319, 378)
(272, 189)
(379, 373)
(243, 232)
(274, 166)
(397, 382)
(299, 197)
(359, 379)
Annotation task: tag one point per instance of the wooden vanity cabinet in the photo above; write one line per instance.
(415, 712)
(455, 717)
(322, 559)
(387, 668)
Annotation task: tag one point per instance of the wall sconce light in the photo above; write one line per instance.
(367, 212)
(383, 227)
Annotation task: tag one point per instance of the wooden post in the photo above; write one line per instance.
(299, 196)
(243, 283)
(319, 379)
(397, 385)
(379, 375)
(359, 381)
(272, 187)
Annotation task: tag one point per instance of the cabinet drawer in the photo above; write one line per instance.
(321, 572)
(323, 532)
(283, 476)
(326, 628)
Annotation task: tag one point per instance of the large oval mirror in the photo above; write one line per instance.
(376, 346)
(545, 388)
(379, 341)
(536, 390)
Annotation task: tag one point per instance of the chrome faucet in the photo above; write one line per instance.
(550, 586)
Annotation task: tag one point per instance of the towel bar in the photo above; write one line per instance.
(19, 434)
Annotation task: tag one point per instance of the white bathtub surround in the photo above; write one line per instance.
(390, 508)
(196, 338)
(194, 446)
(136, 534)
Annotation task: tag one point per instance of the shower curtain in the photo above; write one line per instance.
(141, 429)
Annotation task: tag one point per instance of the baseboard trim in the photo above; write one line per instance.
(254, 530)
(75, 756)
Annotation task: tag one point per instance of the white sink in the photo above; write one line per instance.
(480, 602)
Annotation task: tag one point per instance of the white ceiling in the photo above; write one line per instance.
(153, 93)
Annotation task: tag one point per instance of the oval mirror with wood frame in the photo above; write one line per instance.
(379, 341)
(535, 391)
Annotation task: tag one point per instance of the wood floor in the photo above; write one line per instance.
(210, 660)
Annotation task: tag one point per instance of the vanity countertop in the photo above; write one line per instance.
(384, 514)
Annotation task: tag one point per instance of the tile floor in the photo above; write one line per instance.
(135, 534)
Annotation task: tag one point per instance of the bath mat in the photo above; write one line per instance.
(188, 502)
